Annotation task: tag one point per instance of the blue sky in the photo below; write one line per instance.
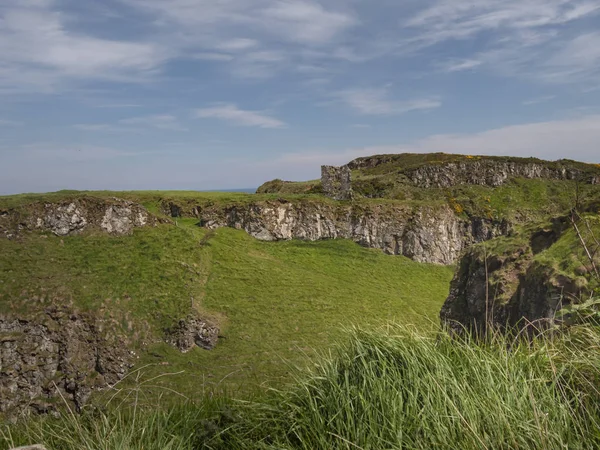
(212, 94)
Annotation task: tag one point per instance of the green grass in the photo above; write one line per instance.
(391, 388)
(277, 302)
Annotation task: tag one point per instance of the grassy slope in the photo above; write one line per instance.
(276, 301)
(384, 389)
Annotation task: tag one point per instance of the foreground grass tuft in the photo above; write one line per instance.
(390, 389)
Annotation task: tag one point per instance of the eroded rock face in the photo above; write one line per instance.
(122, 219)
(58, 353)
(485, 173)
(114, 216)
(337, 182)
(426, 234)
(508, 289)
(62, 219)
(192, 332)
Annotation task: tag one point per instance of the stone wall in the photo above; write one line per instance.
(337, 182)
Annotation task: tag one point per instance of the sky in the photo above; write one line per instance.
(223, 94)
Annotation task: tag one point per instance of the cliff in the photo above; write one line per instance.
(414, 176)
(430, 234)
(73, 216)
(520, 281)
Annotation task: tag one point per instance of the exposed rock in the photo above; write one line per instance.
(440, 170)
(115, 216)
(426, 234)
(122, 219)
(337, 182)
(510, 288)
(485, 173)
(62, 219)
(192, 332)
(59, 353)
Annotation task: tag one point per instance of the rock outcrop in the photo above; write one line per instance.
(113, 216)
(430, 234)
(57, 354)
(336, 182)
(439, 170)
(487, 172)
(191, 332)
(502, 285)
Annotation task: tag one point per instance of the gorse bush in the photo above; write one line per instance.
(390, 389)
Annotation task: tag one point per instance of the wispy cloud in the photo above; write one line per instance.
(231, 113)
(545, 140)
(43, 52)
(162, 122)
(118, 105)
(460, 65)
(76, 153)
(378, 102)
(516, 38)
(535, 101)
(135, 124)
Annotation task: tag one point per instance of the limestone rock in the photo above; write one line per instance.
(192, 332)
(112, 215)
(63, 219)
(425, 234)
(122, 219)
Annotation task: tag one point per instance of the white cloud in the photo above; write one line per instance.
(460, 65)
(118, 105)
(236, 44)
(231, 113)
(77, 153)
(377, 102)
(136, 124)
(162, 122)
(575, 138)
(212, 56)
(305, 21)
(38, 51)
(535, 101)
(516, 38)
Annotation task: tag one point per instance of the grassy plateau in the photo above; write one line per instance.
(323, 345)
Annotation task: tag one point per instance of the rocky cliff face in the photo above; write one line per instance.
(502, 285)
(58, 353)
(487, 173)
(439, 170)
(114, 216)
(431, 234)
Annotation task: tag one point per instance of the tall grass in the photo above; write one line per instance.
(386, 390)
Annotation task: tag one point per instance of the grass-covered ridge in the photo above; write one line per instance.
(274, 301)
(384, 389)
(518, 199)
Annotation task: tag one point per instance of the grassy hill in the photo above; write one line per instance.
(276, 302)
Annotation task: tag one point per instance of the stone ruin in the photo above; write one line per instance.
(337, 182)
